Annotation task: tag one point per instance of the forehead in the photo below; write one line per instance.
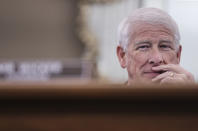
(149, 31)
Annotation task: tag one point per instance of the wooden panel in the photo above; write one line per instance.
(52, 107)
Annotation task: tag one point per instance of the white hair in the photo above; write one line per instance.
(151, 16)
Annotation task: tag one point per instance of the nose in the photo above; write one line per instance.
(156, 57)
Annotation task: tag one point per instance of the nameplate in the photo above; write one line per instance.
(44, 69)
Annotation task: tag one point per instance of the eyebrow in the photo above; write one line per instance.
(148, 42)
(143, 42)
(165, 41)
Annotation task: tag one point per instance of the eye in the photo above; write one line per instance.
(143, 47)
(165, 47)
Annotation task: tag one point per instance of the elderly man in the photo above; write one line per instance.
(149, 48)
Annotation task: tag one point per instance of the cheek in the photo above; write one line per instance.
(171, 58)
(136, 60)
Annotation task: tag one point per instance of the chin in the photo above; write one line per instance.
(142, 80)
(150, 76)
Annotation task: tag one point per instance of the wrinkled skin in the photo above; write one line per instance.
(153, 57)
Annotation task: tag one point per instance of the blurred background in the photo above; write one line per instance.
(76, 39)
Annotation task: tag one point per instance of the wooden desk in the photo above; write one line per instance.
(97, 107)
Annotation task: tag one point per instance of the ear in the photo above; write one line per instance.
(121, 54)
(179, 53)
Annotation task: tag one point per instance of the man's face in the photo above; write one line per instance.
(150, 46)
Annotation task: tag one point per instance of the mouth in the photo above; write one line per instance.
(160, 72)
(152, 74)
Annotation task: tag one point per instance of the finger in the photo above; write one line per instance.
(162, 76)
(172, 80)
(168, 67)
(167, 80)
(177, 69)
